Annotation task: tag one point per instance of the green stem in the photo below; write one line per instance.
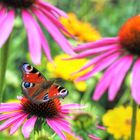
(3, 65)
(134, 118)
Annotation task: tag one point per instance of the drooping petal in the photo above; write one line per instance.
(100, 127)
(91, 52)
(28, 126)
(105, 81)
(100, 66)
(63, 125)
(17, 124)
(135, 86)
(95, 60)
(93, 137)
(3, 14)
(97, 44)
(52, 124)
(118, 75)
(33, 37)
(56, 21)
(6, 27)
(44, 42)
(10, 121)
(55, 33)
(55, 11)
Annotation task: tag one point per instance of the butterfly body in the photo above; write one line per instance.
(37, 88)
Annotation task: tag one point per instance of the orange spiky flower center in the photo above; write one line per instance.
(18, 3)
(44, 110)
(130, 35)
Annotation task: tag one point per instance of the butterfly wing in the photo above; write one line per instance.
(34, 85)
(37, 89)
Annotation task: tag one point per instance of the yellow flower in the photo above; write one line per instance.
(82, 30)
(64, 69)
(71, 137)
(118, 122)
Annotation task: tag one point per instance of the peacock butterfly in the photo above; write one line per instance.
(37, 88)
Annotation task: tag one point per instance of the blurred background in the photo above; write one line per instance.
(89, 20)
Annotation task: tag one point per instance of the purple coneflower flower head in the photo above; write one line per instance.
(117, 55)
(31, 12)
(26, 113)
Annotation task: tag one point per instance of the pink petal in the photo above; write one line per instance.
(3, 14)
(65, 111)
(135, 86)
(90, 52)
(55, 33)
(10, 104)
(96, 60)
(6, 27)
(53, 125)
(98, 43)
(10, 121)
(53, 9)
(28, 126)
(6, 116)
(33, 37)
(63, 125)
(101, 127)
(10, 109)
(93, 137)
(72, 106)
(44, 42)
(118, 75)
(56, 22)
(105, 81)
(100, 66)
(17, 124)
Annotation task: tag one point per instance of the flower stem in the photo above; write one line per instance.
(134, 118)
(3, 65)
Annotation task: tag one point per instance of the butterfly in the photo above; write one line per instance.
(37, 88)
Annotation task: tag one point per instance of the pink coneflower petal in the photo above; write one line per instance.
(9, 109)
(72, 106)
(9, 104)
(52, 124)
(135, 81)
(6, 27)
(62, 125)
(10, 121)
(33, 37)
(3, 14)
(105, 81)
(52, 9)
(102, 65)
(95, 60)
(28, 126)
(44, 42)
(101, 127)
(95, 51)
(56, 22)
(55, 33)
(93, 137)
(99, 43)
(17, 124)
(6, 116)
(121, 70)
